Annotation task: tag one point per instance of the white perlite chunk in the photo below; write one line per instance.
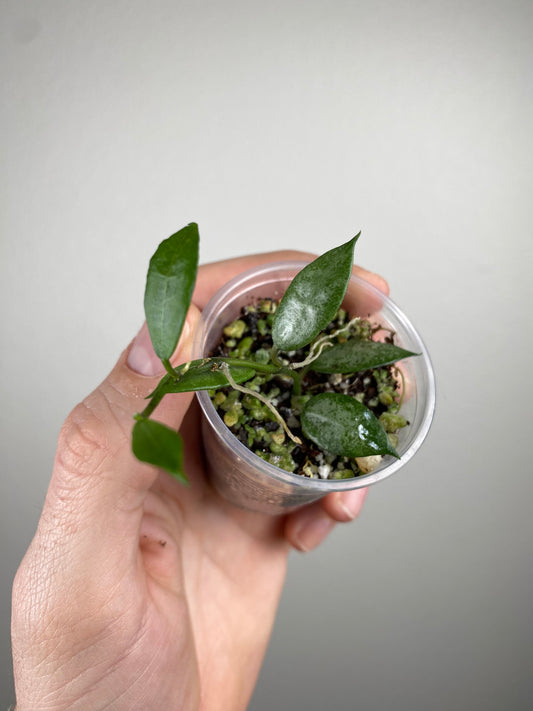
(324, 471)
(368, 464)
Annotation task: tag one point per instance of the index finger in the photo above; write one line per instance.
(212, 276)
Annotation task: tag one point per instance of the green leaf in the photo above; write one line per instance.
(157, 444)
(341, 425)
(312, 298)
(169, 287)
(202, 375)
(357, 354)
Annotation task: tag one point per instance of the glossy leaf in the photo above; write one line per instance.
(313, 298)
(157, 444)
(203, 375)
(169, 286)
(357, 354)
(341, 425)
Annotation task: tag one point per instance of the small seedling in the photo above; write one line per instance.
(338, 424)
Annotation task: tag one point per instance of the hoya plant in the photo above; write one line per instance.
(301, 323)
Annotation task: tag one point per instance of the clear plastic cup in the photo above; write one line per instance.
(246, 480)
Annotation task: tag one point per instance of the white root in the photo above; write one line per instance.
(247, 391)
(324, 342)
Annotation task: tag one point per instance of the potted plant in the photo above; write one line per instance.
(285, 328)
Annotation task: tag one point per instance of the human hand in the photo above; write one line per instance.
(137, 592)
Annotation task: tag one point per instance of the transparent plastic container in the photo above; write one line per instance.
(248, 481)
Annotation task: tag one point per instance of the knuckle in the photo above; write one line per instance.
(84, 441)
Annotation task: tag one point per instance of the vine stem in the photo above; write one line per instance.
(168, 367)
(259, 367)
(270, 369)
(176, 373)
(154, 402)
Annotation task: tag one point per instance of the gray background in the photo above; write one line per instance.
(278, 124)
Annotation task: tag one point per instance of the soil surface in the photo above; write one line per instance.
(255, 426)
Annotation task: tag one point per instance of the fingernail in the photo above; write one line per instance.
(142, 358)
(312, 532)
(351, 502)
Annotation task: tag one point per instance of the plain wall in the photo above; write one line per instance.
(295, 124)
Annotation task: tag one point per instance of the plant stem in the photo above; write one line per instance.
(259, 367)
(296, 379)
(170, 370)
(154, 402)
(274, 357)
(271, 369)
(175, 373)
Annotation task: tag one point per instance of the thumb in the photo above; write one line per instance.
(97, 484)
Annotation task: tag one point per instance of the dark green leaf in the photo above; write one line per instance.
(357, 354)
(169, 287)
(157, 444)
(203, 375)
(313, 297)
(341, 425)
